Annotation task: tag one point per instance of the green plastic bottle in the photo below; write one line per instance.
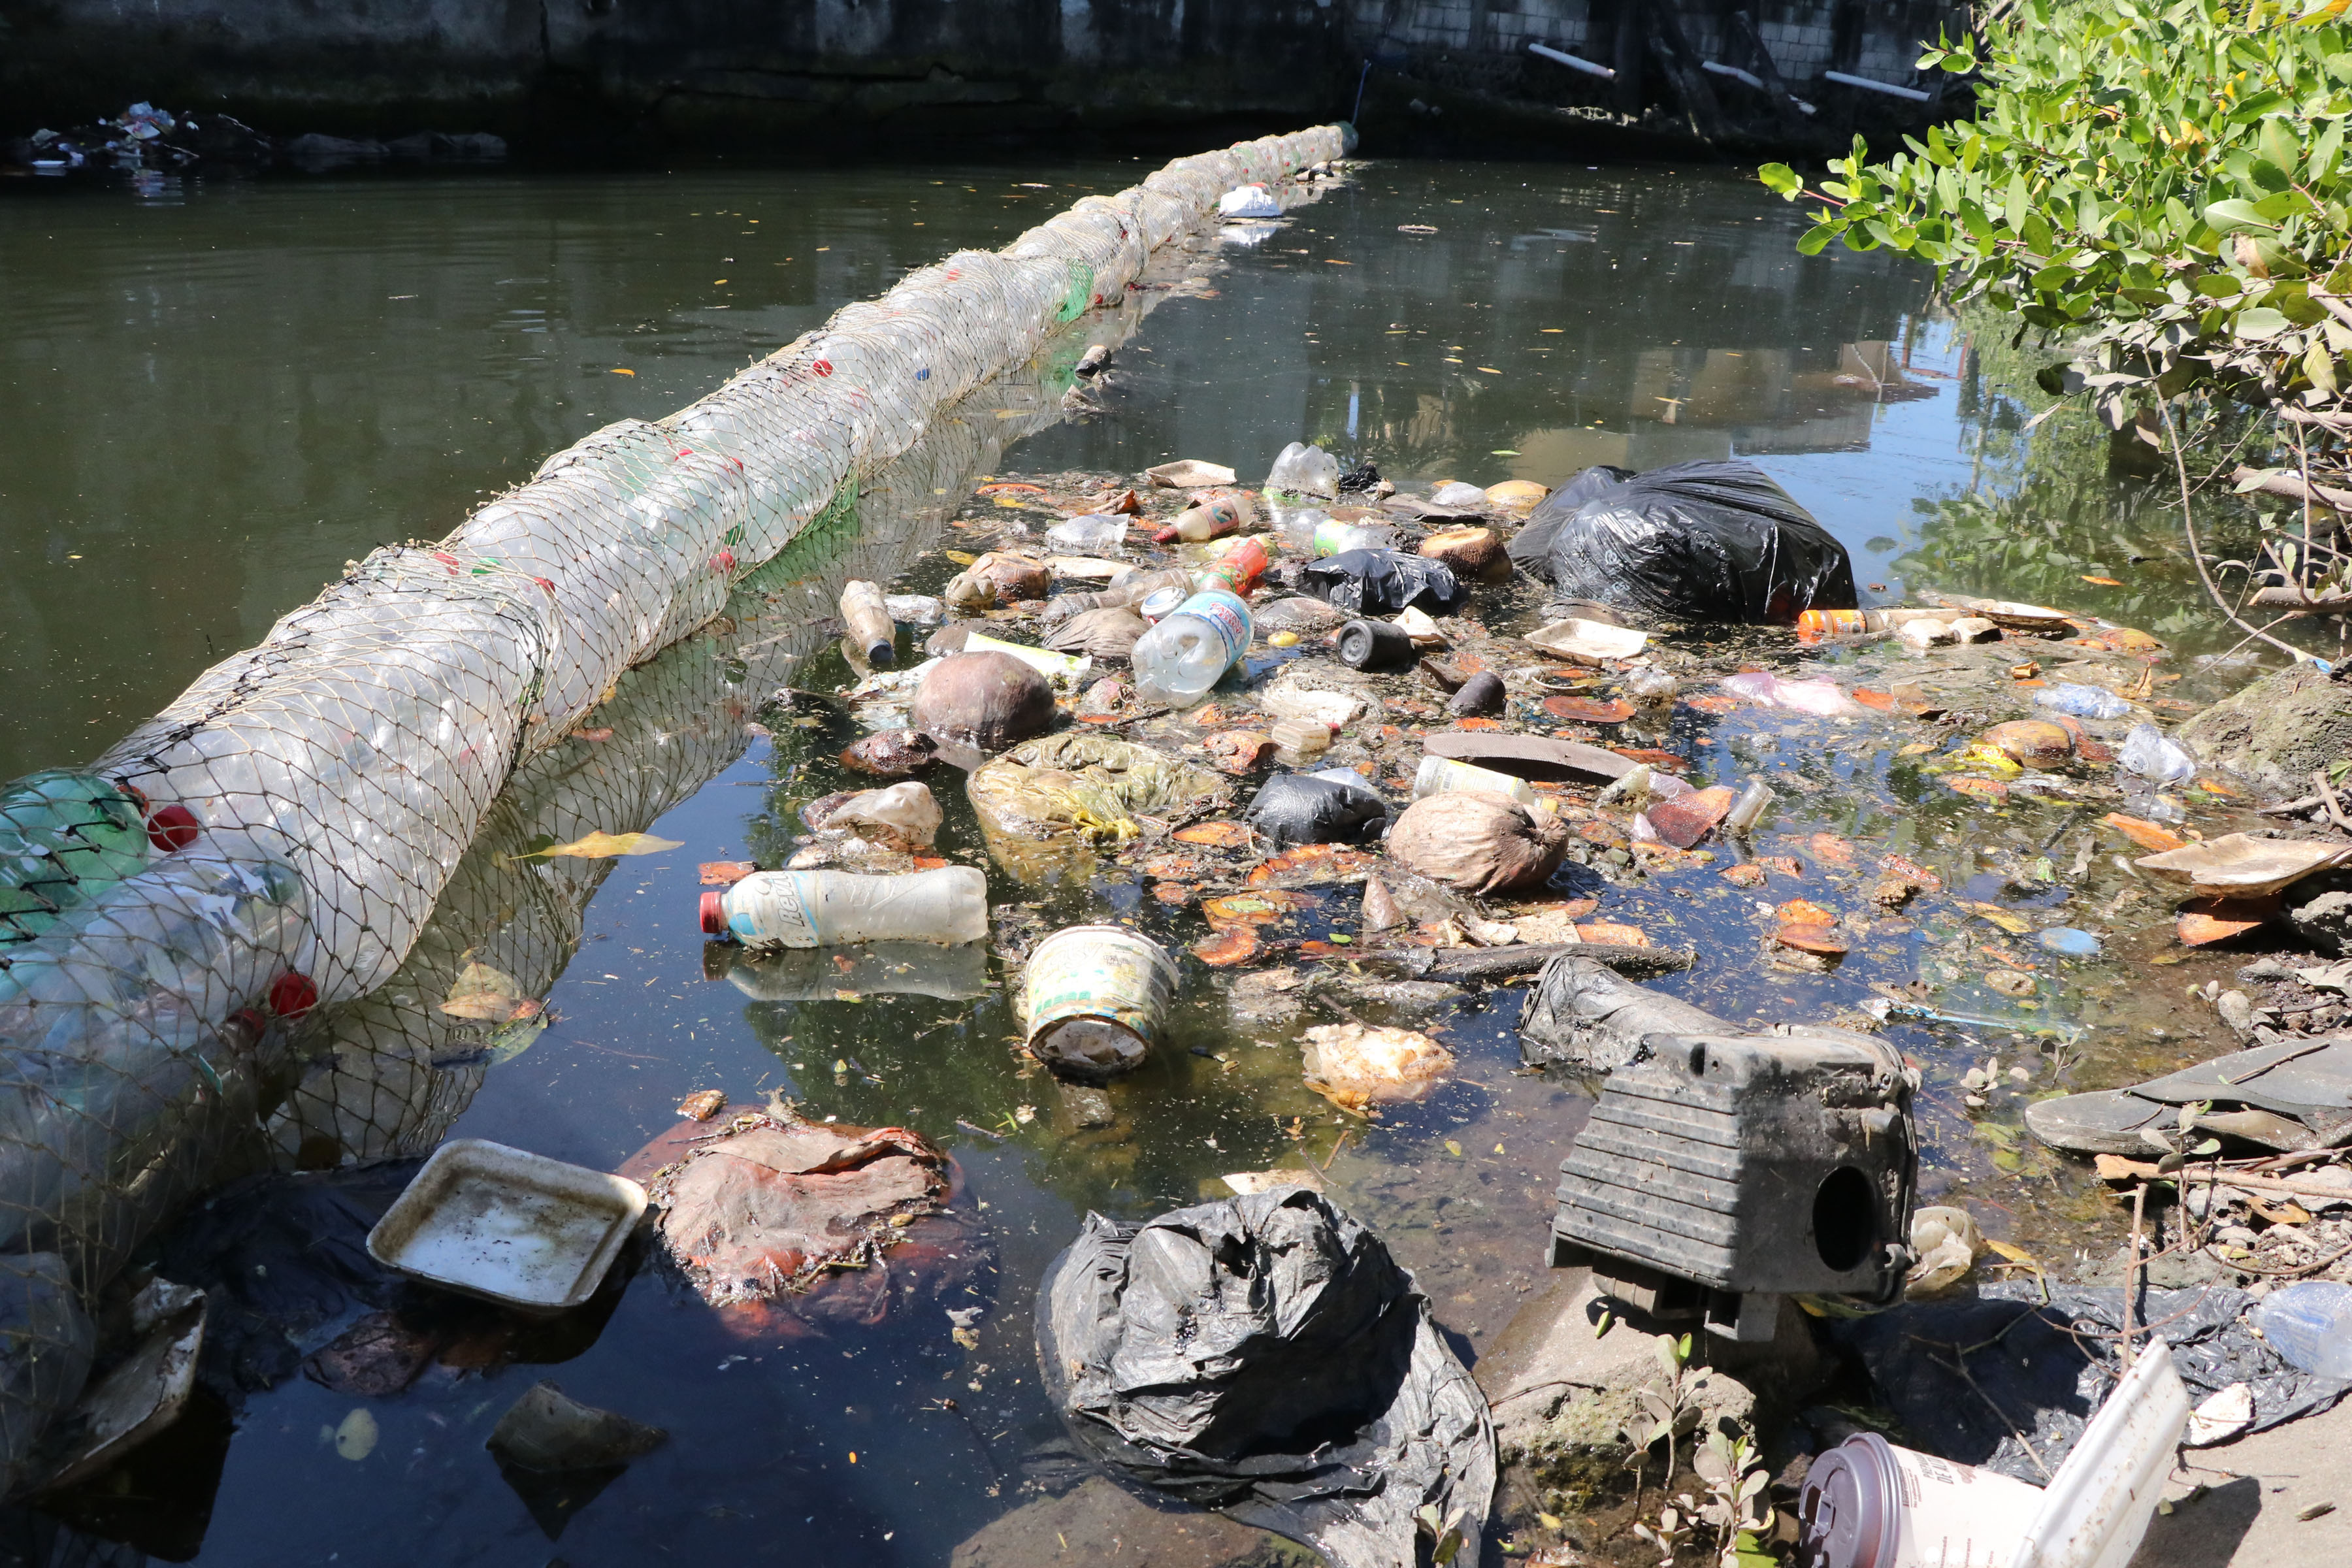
(64, 837)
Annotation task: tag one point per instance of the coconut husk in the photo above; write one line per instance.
(986, 700)
(1475, 842)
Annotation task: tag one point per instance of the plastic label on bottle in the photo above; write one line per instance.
(1226, 613)
(1101, 972)
(771, 909)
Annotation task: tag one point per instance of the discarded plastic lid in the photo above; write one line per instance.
(714, 915)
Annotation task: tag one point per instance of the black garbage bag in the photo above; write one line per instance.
(1701, 541)
(1266, 1357)
(1314, 808)
(1382, 582)
(1532, 544)
(2035, 1374)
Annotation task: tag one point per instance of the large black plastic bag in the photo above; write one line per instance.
(1529, 547)
(1314, 808)
(1701, 541)
(2036, 1371)
(1264, 1356)
(1382, 582)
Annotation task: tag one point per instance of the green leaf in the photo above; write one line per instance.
(2258, 324)
(2279, 143)
(1810, 242)
(1781, 178)
(2233, 215)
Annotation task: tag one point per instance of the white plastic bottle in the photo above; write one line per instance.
(1178, 660)
(821, 909)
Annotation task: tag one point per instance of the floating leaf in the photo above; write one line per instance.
(1216, 834)
(1227, 947)
(603, 846)
(2156, 840)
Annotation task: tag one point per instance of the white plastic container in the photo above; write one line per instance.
(1869, 1504)
(1096, 998)
(1438, 774)
(1178, 660)
(2096, 1510)
(1057, 667)
(821, 909)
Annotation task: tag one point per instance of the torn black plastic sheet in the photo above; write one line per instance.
(2005, 1381)
(1266, 1356)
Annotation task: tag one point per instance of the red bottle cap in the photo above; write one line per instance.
(291, 995)
(714, 915)
(173, 828)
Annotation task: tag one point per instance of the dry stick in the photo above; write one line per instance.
(2131, 1276)
(2197, 550)
(2327, 798)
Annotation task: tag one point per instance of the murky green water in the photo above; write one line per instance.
(226, 392)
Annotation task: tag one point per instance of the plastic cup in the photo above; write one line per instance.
(1869, 1504)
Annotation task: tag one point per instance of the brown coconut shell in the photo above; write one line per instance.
(990, 700)
(2037, 743)
(1469, 552)
(1476, 842)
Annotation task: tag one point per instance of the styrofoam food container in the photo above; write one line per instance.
(509, 1227)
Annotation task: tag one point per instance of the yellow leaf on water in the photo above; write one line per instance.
(2014, 1254)
(2014, 924)
(483, 994)
(1548, 1521)
(961, 557)
(1452, 1147)
(603, 846)
(1916, 749)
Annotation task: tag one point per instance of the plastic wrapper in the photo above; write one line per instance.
(1266, 1357)
(1316, 809)
(1714, 540)
(1382, 582)
(1045, 802)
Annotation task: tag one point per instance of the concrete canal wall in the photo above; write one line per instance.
(845, 71)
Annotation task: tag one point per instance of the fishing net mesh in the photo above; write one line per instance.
(312, 862)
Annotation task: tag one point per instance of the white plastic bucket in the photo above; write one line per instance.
(1102, 971)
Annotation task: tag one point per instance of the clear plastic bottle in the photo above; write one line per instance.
(64, 837)
(2310, 1324)
(128, 1016)
(867, 617)
(1089, 535)
(824, 909)
(1178, 660)
(1439, 774)
(1334, 538)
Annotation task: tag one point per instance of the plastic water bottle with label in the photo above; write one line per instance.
(1178, 660)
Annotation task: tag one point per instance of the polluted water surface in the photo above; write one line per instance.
(1974, 905)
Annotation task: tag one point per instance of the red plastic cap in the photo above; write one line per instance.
(173, 828)
(714, 915)
(291, 995)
